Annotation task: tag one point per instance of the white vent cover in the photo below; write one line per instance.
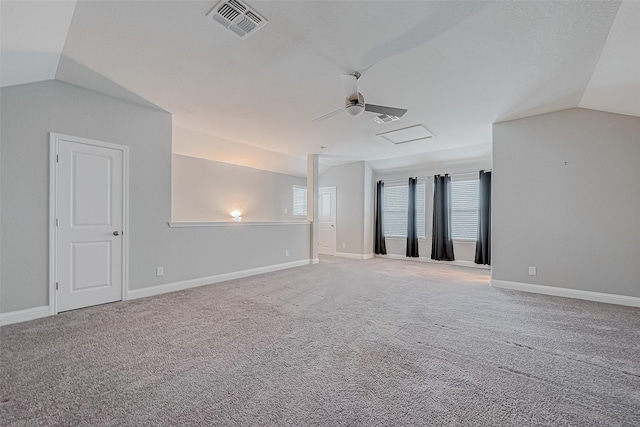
(404, 135)
(237, 17)
(385, 118)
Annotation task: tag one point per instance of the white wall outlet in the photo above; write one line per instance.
(533, 271)
(286, 210)
(344, 245)
(286, 253)
(159, 271)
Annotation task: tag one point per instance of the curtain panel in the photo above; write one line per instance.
(483, 243)
(441, 241)
(379, 245)
(412, 235)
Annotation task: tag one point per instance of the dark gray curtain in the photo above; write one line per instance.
(379, 246)
(483, 244)
(412, 236)
(441, 242)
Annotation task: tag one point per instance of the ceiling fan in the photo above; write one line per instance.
(354, 101)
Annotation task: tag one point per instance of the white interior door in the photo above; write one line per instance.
(90, 223)
(327, 220)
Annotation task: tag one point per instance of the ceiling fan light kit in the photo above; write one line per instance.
(354, 110)
(355, 104)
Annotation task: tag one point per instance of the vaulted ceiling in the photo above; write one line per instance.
(457, 67)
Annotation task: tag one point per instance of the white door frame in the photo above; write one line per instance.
(335, 219)
(54, 138)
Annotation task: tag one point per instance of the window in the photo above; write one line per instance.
(299, 201)
(395, 205)
(464, 209)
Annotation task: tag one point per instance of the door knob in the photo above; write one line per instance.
(116, 233)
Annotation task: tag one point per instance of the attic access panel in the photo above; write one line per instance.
(409, 134)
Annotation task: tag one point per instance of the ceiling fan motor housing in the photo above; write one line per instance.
(354, 107)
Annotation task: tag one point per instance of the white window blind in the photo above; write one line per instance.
(464, 209)
(396, 205)
(299, 201)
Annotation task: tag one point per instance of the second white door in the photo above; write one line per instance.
(327, 220)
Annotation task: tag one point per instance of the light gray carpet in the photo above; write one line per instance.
(342, 343)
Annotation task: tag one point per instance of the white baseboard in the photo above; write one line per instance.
(353, 256)
(568, 293)
(24, 315)
(315, 261)
(192, 283)
(458, 263)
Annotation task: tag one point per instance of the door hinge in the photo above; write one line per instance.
(56, 286)
(57, 222)
(57, 158)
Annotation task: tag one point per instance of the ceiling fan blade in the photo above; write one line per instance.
(326, 116)
(350, 83)
(381, 109)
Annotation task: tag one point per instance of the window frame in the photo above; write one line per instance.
(293, 201)
(397, 183)
(464, 179)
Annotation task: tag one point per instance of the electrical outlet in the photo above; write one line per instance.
(286, 210)
(286, 253)
(533, 271)
(159, 271)
(344, 245)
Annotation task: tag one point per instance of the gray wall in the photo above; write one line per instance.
(576, 222)
(29, 113)
(206, 190)
(349, 182)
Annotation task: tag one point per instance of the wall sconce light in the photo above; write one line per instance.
(237, 215)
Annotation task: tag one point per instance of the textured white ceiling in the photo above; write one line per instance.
(457, 67)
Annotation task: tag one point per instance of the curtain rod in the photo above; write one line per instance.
(431, 176)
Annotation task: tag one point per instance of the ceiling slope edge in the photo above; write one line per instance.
(614, 85)
(193, 143)
(574, 98)
(33, 35)
(72, 72)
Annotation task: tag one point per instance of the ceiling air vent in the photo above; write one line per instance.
(385, 118)
(237, 17)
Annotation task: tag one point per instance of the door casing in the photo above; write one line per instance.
(334, 212)
(53, 200)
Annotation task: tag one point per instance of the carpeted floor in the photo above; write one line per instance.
(341, 343)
